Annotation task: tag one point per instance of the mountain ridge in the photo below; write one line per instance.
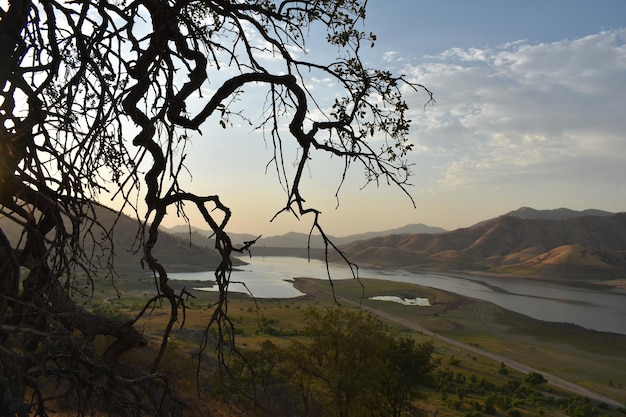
(525, 242)
(565, 243)
(561, 213)
(295, 239)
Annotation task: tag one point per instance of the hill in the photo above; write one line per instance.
(174, 253)
(555, 214)
(295, 241)
(509, 244)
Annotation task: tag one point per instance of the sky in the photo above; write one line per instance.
(530, 112)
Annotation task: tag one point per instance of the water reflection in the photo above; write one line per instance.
(421, 302)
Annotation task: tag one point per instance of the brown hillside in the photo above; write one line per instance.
(174, 253)
(569, 255)
(523, 255)
(454, 256)
(387, 257)
(589, 241)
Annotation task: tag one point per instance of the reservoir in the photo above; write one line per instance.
(592, 307)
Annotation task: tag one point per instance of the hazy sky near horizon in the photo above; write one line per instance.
(530, 111)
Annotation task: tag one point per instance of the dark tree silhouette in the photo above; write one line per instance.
(98, 99)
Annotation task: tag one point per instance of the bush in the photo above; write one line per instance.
(513, 412)
(454, 361)
(490, 401)
(533, 379)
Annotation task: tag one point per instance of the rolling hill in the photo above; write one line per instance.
(578, 245)
(174, 253)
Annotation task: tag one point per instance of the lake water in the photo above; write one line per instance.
(592, 307)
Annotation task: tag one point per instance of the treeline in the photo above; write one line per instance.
(348, 363)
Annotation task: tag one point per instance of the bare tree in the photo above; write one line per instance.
(98, 99)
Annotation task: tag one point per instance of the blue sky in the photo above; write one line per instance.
(434, 26)
(531, 99)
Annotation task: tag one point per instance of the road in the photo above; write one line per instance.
(307, 286)
(552, 379)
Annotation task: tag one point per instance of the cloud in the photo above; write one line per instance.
(392, 56)
(521, 111)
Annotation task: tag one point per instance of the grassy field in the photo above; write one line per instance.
(591, 359)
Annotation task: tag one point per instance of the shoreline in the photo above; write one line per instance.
(616, 283)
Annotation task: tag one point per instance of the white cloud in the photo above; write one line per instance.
(392, 56)
(521, 111)
(470, 55)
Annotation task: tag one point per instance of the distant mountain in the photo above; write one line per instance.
(416, 228)
(556, 214)
(301, 240)
(294, 240)
(509, 244)
(198, 236)
(174, 253)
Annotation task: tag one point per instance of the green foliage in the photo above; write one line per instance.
(504, 401)
(361, 362)
(578, 407)
(464, 392)
(108, 310)
(533, 379)
(490, 404)
(349, 364)
(503, 369)
(454, 361)
(513, 412)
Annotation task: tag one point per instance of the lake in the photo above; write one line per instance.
(593, 307)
